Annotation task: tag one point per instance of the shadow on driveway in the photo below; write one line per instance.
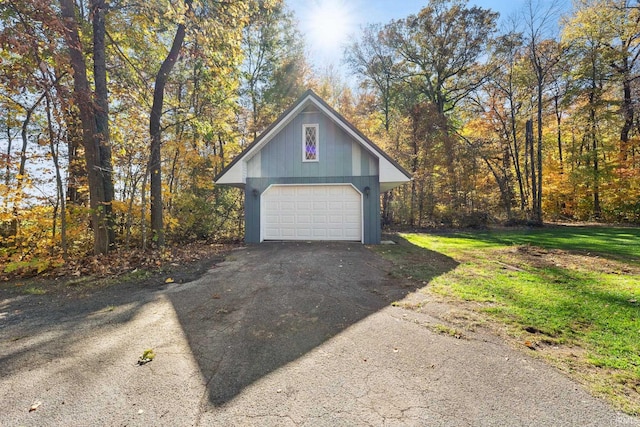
(269, 304)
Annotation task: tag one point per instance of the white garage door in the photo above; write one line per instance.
(311, 212)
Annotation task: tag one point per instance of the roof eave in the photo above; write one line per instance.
(233, 173)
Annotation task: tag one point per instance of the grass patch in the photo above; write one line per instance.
(81, 281)
(447, 330)
(611, 242)
(567, 286)
(34, 290)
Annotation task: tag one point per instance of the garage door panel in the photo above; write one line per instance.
(320, 233)
(335, 234)
(335, 219)
(287, 220)
(319, 219)
(336, 191)
(311, 212)
(303, 219)
(286, 234)
(336, 206)
(272, 231)
(304, 233)
(352, 219)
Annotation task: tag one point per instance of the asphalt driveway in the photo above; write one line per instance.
(278, 334)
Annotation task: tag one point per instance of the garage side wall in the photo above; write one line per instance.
(371, 204)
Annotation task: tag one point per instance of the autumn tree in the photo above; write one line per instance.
(94, 136)
(440, 48)
(493, 121)
(621, 20)
(377, 63)
(592, 72)
(274, 69)
(543, 56)
(155, 164)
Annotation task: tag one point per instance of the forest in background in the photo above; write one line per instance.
(115, 116)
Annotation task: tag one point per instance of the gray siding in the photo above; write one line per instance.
(282, 156)
(341, 161)
(371, 204)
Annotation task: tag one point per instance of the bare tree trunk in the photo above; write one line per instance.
(559, 132)
(99, 9)
(414, 169)
(143, 209)
(84, 103)
(597, 211)
(529, 142)
(74, 138)
(538, 198)
(60, 187)
(628, 112)
(7, 175)
(508, 178)
(515, 154)
(387, 197)
(155, 160)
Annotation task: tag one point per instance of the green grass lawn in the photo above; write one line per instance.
(561, 287)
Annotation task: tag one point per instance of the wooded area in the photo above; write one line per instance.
(116, 115)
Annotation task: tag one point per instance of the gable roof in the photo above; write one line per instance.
(391, 174)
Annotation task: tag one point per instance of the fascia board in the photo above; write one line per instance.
(234, 175)
(275, 130)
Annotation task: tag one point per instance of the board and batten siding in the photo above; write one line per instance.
(341, 161)
(370, 204)
(339, 155)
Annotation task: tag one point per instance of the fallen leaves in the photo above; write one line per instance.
(122, 261)
(147, 356)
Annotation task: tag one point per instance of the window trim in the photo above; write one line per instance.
(304, 142)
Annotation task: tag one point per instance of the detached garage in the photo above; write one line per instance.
(312, 176)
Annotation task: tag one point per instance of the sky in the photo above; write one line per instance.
(328, 24)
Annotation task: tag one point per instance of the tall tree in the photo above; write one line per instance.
(543, 56)
(591, 71)
(155, 162)
(377, 63)
(442, 46)
(274, 70)
(98, 169)
(98, 13)
(620, 20)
